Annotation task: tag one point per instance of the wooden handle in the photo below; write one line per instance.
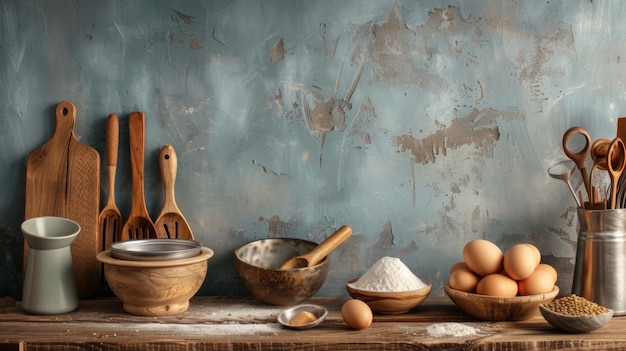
(65, 120)
(169, 164)
(328, 245)
(113, 138)
(136, 129)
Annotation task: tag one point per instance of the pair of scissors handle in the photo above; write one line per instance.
(579, 157)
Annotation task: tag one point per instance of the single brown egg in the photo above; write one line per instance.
(550, 269)
(540, 282)
(483, 257)
(536, 252)
(520, 261)
(463, 279)
(497, 285)
(357, 314)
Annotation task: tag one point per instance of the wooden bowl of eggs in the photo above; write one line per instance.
(491, 285)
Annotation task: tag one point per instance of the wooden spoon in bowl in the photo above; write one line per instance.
(322, 250)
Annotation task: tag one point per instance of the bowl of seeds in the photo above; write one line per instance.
(575, 314)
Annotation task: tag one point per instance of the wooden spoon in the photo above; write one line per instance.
(110, 216)
(138, 225)
(322, 250)
(171, 223)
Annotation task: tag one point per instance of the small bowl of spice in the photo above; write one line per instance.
(389, 287)
(575, 314)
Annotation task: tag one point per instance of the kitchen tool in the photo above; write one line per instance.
(616, 160)
(320, 312)
(110, 216)
(390, 302)
(499, 308)
(171, 223)
(155, 288)
(63, 180)
(322, 250)
(600, 266)
(49, 283)
(579, 157)
(139, 225)
(257, 264)
(563, 171)
(155, 249)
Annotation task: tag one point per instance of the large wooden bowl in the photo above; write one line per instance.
(155, 288)
(388, 302)
(258, 266)
(497, 308)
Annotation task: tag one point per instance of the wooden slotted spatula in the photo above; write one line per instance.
(171, 223)
(138, 225)
(110, 216)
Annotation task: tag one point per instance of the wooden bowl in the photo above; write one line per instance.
(390, 302)
(155, 288)
(497, 308)
(575, 324)
(258, 262)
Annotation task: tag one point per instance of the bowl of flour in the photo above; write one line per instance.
(389, 287)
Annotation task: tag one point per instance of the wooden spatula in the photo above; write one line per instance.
(110, 216)
(63, 179)
(319, 252)
(171, 223)
(138, 225)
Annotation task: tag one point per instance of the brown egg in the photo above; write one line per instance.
(302, 318)
(540, 282)
(458, 265)
(357, 314)
(520, 261)
(536, 252)
(483, 257)
(497, 285)
(463, 279)
(550, 269)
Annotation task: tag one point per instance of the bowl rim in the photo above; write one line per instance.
(383, 294)
(105, 257)
(238, 259)
(143, 249)
(502, 299)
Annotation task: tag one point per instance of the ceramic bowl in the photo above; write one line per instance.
(155, 249)
(257, 264)
(497, 308)
(155, 288)
(575, 324)
(319, 312)
(390, 302)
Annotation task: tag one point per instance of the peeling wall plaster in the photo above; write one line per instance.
(422, 125)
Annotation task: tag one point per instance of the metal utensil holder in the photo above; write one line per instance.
(600, 268)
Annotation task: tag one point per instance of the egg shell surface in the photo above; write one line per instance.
(540, 282)
(497, 285)
(357, 314)
(483, 257)
(520, 261)
(463, 279)
(458, 265)
(550, 269)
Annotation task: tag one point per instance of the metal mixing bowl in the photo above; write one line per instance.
(257, 264)
(155, 249)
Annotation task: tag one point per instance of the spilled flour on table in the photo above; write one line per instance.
(439, 330)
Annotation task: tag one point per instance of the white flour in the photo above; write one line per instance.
(389, 274)
(439, 330)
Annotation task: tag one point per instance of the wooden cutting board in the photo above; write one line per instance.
(63, 179)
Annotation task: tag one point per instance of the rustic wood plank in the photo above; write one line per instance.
(221, 323)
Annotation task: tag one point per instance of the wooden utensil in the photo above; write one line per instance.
(138, 225)
(63, 179)
(171, 223)
(110, 216)
(321, 251)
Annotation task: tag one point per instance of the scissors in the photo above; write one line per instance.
(579, 157)
(616, 161)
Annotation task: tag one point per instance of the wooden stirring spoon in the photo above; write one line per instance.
(110, 216)
(138, 225)
(322, 250)
(171, 223)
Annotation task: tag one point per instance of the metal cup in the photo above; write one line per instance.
(600, 270)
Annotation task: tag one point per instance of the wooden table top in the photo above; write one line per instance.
(219, 323)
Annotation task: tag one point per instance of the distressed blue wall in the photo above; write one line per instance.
(422, 125)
